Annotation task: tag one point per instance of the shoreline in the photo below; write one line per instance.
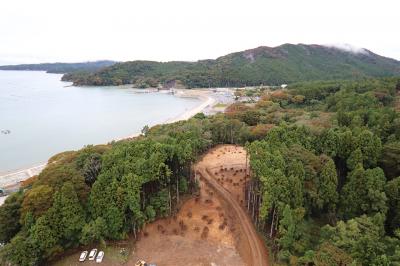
(201, 94)
(14, 177)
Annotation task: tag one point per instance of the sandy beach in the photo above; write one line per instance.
(10, 178)
(207, 97)
(2, 199)
(203, 95)
(207, 101)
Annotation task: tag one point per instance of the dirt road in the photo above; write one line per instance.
(257, 250)
(258, 254)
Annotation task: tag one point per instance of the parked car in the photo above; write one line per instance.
(92, 254)
(83, 256)
(100, 257)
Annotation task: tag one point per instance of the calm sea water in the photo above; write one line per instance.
(46, 116)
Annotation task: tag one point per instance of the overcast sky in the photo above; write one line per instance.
(164, 30)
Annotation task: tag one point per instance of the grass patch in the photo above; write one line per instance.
(117, 254)
(220, 105)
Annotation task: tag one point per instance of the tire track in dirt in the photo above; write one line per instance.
(257, 249)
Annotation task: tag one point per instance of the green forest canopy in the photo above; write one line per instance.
(286, 63)
(325, 179)
(61, 68)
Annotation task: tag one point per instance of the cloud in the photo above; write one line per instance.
(348, 48)
(187, 30)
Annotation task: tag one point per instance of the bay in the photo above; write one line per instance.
(45, 116)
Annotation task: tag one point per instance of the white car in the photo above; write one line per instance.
(100, 257)
(92, 254)
(83, 255)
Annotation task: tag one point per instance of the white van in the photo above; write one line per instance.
(92, 254)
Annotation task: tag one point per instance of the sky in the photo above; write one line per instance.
(165, 30)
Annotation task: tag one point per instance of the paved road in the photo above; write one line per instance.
(256, 246)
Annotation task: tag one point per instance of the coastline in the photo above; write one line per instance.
(2, 200)
(201, 94)
(31, 171)
(13, 178)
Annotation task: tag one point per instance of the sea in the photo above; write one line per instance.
(40, 115)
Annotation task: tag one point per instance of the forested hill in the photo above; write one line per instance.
(263, 65)
(61, 67)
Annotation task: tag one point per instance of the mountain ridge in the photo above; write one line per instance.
(263, 65)
(61, 68)
(286, 63)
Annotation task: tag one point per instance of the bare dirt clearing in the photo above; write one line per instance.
(211, 228)
(228, 182)
(204, 232)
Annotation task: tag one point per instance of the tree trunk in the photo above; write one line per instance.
(248, 197)
(144, 199)
(258, 211)
(177, 190)
(253, 203)
(232, 135)
(272, 222)
(170, 200)
(245, 172)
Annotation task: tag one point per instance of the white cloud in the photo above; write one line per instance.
(348, 48)
(76, 30)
